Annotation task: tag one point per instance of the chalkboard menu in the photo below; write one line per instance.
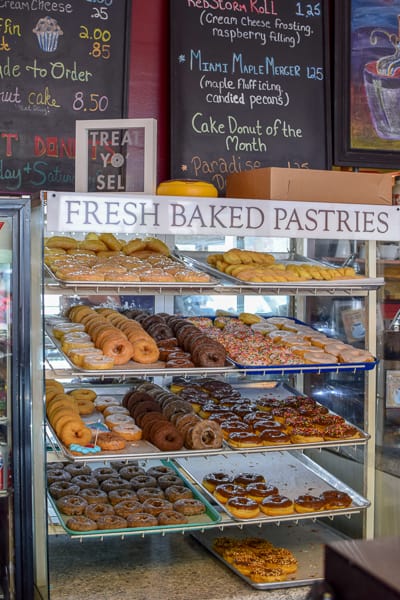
(59, 62)
(249, 87)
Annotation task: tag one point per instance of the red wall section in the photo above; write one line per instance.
(149, 72)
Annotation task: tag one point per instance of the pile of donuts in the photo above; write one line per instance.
(257, 558)
(169, 422)
(181, 343)
(104, 257)
(64, 412)
(120, 496)
(254, 340)
(264, 421)
(261, 267)
(248, 495)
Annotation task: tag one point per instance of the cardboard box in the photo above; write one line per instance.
(364, 570)
(274, 183)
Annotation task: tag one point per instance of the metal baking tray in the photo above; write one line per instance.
(68, 283)
(301, 367)
(209, 518)
(134, 368)
(281, 390)
(306, 541)
(140, 449)
(198, 260)
(292, 473)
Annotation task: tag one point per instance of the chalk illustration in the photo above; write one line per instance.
(382, 85)
(47, 31)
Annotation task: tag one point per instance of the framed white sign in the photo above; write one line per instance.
(116, 155)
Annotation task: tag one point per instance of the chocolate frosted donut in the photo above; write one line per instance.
(103, 473)
(114, 483)
(58, 489)
(58, 475)
(205, 434)
(210, 354)
(95, 511)
(75, 469)
(127, 507)
(166, 437)
(93, 496)
(72, 505)
(120, 494)
(130, 471)
(85, 481)
(143, 481)
(160, 331)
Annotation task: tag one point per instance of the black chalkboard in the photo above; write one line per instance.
(55, 68)
(249, 83)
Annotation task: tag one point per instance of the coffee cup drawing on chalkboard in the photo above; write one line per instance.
(382, 86)
(47, 31)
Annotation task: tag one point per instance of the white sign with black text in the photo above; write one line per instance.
(145, 214)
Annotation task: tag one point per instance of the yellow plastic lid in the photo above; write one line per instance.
(187, 187)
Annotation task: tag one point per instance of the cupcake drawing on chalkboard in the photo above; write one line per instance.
(47, 31)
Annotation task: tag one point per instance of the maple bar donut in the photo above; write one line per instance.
(308, 503)
(276, 505)
(242, 507)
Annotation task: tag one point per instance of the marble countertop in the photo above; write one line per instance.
(151, 568)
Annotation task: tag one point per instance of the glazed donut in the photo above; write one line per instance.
(118, 419)
(94, 496)
(130, 433)
(245, 479)
(154, 506)
(85, 481)
(103, 402)
(119, 349)
(72, 505)
(145, 351)
(335, 499)
(94, 362)
(95, 511)
(115, 409)
(110, 441)
(166, 437)
(243, 508)
(75, 432)
(308, 503)
(77, 469)
(204, 435)
(114, 483)
(151, 492)
(141, 519)
(111, 522)
(58, 489)
(111, 241)
(224, 491)
(121, 494)
(83, 394)
(211, 480)
(259, 491)
(189, 506)
(178, 492)
(80, 523)
(277, 505)
(127, 507)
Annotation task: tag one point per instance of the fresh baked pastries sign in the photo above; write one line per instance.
(55, 68)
